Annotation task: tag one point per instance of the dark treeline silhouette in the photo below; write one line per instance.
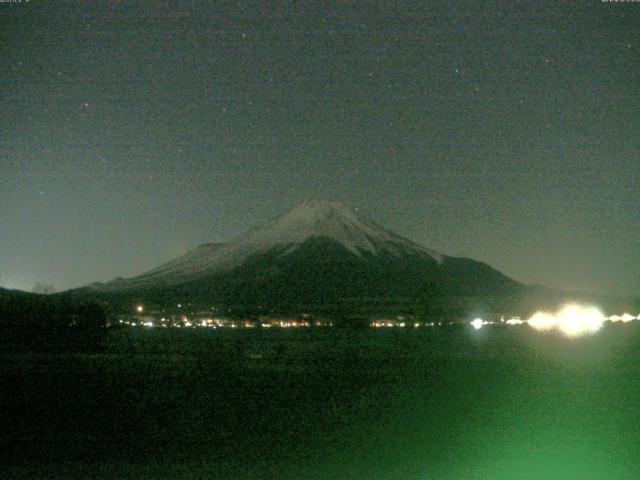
(41, 323)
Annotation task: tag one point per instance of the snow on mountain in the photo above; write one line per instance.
(312, 219)
(192, 262)
(324, 254)
(331, 220)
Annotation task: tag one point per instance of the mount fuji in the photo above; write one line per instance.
(320, 253)
(308, 223)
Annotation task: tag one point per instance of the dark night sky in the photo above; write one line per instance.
(506, 132)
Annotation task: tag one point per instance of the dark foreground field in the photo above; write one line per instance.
(419, 404)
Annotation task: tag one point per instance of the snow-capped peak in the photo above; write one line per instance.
(328, 219)
(311, 219)
(316, 210)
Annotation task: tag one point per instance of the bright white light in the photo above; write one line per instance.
(627, 317)
(543, 321)
(477, 323)
(576, 320)
(572, 320)
(139, 309)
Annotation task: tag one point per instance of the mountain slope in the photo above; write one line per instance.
(318, 219)
(318, 253)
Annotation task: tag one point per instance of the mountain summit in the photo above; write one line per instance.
(311, 220)
(331, 220)
(317, 253)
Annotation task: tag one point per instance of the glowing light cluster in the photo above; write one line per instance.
(543, 321)
(572, 320)
(576, 320)
(514, 321)
(624, 318)
(477, 323)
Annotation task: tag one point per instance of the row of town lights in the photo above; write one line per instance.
(225, 323)
(572, 320)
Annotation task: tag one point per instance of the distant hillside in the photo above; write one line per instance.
(324, 257)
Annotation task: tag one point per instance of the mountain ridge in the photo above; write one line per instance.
(323, 257)
(311, 219)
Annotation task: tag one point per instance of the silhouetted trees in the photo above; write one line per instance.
(39, 323)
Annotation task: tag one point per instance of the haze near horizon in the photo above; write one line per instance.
(500, 132)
